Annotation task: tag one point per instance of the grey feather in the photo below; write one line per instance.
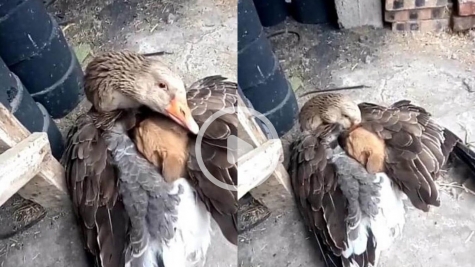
(360, 189)
(147, 198)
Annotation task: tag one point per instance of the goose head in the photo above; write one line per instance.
(126, 80)
(329, 108)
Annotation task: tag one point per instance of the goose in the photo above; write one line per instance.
(170, 148)
(129, 214)
(354, 164)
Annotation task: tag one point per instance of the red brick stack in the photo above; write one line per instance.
(464, 17)
(418, 15)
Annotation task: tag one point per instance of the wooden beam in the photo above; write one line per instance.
(281, 174)
(48, 188)
(252, 129)
(250, 126)
(19, 164)
(11, 130)
(258, 165)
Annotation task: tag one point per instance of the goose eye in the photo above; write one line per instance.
(162, 86)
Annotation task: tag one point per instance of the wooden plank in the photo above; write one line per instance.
(258, 139)
(358, 13)
(250, 126)
(11, 130)
(258, 165)
(19, 164)
(48, 188)
(281, 174)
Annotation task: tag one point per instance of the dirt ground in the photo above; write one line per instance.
(201, 34)
(433, 70)
(436, 71)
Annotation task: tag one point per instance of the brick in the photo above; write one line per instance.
(422, 25)
(413, 4)
(465, 7)
(357, 13)
(463, 23)
(417, 14)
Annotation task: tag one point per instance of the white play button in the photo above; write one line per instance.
(237, 147)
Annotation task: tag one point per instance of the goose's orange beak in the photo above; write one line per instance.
(179, 111)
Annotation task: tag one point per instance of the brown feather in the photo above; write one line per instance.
(314, 183)
(416, 149)
(206, 97)
(92, 184)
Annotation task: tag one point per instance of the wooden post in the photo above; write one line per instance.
(258, 165)
(48, 187)
(19, 164)
(249, 179)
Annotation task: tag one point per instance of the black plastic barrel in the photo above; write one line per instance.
(272, 85)
(313, 11)
(284, 114)
(275, 99)
(25, 29)
(49, 127)
(260, 77)
(248, 104)
(249, 26)
(47, 67)
(256, 62)
(271, 12)
(33, 117)
(6, 79)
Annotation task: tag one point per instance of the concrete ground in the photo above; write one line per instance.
(202, 34)
(435, 71)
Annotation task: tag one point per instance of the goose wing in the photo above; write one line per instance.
(208, 97)
(321, 201)
(93, 186)
(416, 148)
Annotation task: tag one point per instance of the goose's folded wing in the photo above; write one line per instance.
(92, 184)
(318, 197)
(207, 97)
(416, 148)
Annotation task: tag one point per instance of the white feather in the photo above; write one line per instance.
(389, 222)
(386, 226)
(193, 230)
(192, 237)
